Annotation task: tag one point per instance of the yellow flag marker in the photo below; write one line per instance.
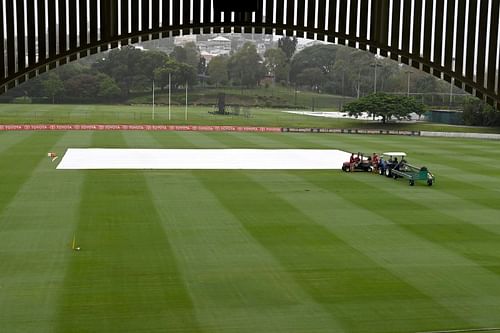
(73, 246)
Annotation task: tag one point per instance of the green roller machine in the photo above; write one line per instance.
(412, 173)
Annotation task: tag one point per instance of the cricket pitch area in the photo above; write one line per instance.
(203, 159)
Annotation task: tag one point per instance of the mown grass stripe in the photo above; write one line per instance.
(236, 286)
(20, 159)
(125, 278)
(171, 140)
(35, 229)
(235, 139)
(444, 275)
(467, 277)
(334, 274)
(9, 139)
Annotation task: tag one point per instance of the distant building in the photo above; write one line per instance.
(219, 45)
(183, 40)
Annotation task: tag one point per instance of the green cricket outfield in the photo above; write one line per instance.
(247, 250)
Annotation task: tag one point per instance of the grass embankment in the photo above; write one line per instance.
(270, 97)
(196, 115)
(247, 251)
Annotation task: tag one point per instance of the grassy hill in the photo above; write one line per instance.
(266, 97)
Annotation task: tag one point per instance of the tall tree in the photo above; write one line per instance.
(202, 66)
(126, 67)
(192, 54)
(311, 77)
(478, 113)
(72, 69)
(180, 73)
(218, 70)
(52, 86)
(151, 60)
(108, 89)
(186, 74)
(178, 54)
(276, 64)
(354, 68)
(245, 66)
(187, 54)
(83, 86)
(322, 57)
(288, 46)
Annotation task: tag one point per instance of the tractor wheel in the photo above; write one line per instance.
(429, 182)
(412, 182)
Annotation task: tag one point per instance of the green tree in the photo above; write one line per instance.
(218, 70)
(82, 86)
(151, 60)
(288, 46)
(245, 66)
(52, 86)
(186, 73)
(322, 57)
(202, 66)
(478, 113)
(126, 67)
(311, 77)
(187, 54)
(385, 106)
(276, 64)
(169, 68)
(192, 54)
(71, 70)
(108, 89)
(178, 54)
(180, 73)
(351, 74)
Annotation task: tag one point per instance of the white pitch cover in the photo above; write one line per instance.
(211, 159)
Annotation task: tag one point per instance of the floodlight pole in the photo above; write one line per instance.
(375, 65)
(452, 81)
(408, 83)
(169, 93)
(451, 91)
(186, 111)
(153, 116)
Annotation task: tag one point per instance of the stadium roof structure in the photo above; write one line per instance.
(455, 40)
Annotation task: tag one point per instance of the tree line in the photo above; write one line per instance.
(118, 74)
(324, 68)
